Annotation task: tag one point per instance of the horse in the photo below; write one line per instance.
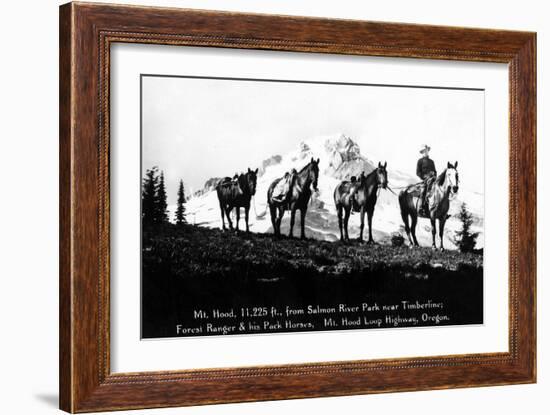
(443, 187)
(364, 200)
(299, 195)
(236, 195)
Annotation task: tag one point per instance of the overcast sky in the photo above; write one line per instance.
(195, 129)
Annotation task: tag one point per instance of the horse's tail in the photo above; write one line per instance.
(219, 193)
(403, 200)
(404, 207)
(336, 195)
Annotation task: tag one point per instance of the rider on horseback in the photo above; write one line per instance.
(425, 170)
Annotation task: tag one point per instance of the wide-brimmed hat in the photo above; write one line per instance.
(425, 148)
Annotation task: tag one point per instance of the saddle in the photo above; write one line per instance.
(282, 190)
(353, 185)
(228, 182)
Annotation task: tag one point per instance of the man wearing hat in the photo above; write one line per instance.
(425, 170)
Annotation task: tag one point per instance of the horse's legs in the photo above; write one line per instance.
(408, 208)
(441, 231)
(369, 218)
(292, 218)
(228, 215)
(223, 218)
(414, 219)
(346, 220)
(339, 212)
(303, 222)
(432, 221)
(246, 210)
(362, 225)
(238, 216)
(405, 217)
(279, 219)
(273, 213)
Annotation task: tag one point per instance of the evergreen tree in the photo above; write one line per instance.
(162, 205)
(465, 239)
(180, 211)
(149, 196)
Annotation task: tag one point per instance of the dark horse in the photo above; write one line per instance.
(299, 195)
(438, 203)
(236, 195)
(363, 200)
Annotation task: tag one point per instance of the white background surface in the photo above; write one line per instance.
(129, 354)
(28, 208)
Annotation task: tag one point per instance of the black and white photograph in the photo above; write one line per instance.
(275, 207)
(285, 206)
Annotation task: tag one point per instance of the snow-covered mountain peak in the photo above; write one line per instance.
(344, 158)
(340, 156)
(343, 146)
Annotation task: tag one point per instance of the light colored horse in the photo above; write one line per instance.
(444, 186)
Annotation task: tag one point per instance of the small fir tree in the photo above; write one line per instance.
(162, 205)
(149, 196)
(465, 239)
(180, 211)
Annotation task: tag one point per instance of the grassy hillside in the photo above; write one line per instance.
(189, 267)
(200, 251)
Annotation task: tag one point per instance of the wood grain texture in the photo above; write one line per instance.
(65, 247)
(86, 33)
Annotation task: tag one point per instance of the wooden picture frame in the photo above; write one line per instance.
(86, 33)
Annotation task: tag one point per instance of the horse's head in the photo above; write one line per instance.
(314, 173)
(382, 175)
(251, 178)
(451, 177)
